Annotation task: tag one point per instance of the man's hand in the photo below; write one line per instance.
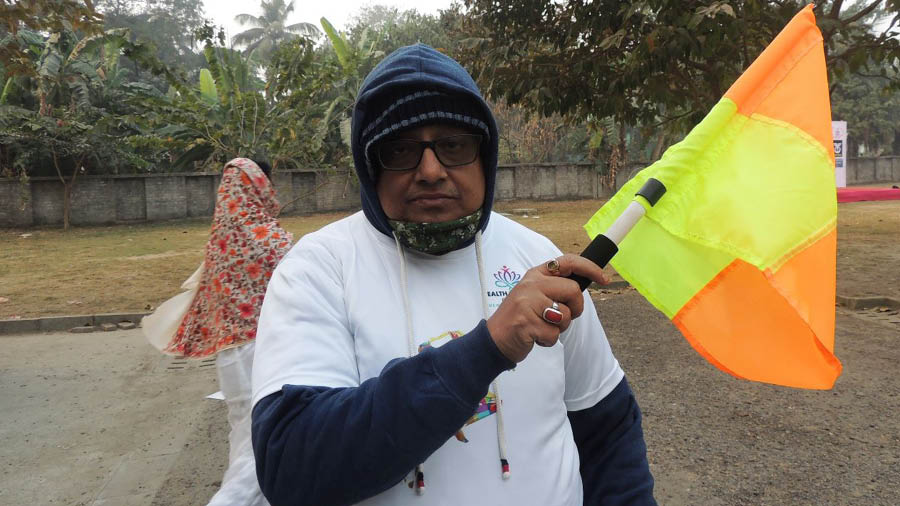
(518, 323)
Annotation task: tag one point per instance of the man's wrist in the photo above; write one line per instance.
(469, 364)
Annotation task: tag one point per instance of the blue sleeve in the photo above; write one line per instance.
(614, 467)
(323, 446)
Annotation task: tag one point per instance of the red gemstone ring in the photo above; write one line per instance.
(552, 314)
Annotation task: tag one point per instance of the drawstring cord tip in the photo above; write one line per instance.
(420, 482)
(504, 465)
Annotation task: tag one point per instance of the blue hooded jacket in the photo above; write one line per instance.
(416, 67)
(332, 446)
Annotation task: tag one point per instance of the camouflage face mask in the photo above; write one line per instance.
(436, 238)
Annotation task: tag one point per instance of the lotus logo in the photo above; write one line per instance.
(506, 278)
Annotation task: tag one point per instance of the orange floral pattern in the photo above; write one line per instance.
(245, 244)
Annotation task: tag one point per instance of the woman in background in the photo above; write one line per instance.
(245, 244)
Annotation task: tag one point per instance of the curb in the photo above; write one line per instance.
(857, 303)
(92, 323)
(58, 323)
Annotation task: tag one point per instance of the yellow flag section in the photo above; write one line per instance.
(740, 252)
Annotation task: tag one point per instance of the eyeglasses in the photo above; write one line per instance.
(452, 151)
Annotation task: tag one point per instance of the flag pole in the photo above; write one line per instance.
(606, 245)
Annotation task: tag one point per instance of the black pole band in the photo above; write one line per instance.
(599, 251)
(652, 190)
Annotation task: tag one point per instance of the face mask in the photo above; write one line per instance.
(436, 238)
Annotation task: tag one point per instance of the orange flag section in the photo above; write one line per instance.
(777, 337)
(777, 84)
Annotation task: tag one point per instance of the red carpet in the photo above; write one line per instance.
(858, 194)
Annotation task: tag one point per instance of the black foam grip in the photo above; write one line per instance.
(599, 251)
(652, 190)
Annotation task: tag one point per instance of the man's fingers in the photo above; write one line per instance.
(564, 291)
(556, 316)
(546, 335)
(569, 264)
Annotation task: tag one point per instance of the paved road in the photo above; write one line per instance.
(101, 419)
(104, 419)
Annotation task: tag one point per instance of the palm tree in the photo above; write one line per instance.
(269, 29)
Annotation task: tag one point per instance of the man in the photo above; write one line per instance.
(396, 347)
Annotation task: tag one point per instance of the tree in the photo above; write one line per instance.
(322, 82)
(67, 132)
(35, 15)
(270, 29)
(224, 115)
(646, 61)
(53, 113)
(527, 137)
(168, 24)
(871, 113)
(73, 143)
(661, 64)
(396, 28)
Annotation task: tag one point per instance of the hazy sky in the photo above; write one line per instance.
(338, 12)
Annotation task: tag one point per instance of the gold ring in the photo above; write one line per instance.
(553, 266)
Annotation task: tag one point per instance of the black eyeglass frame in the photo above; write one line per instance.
(433, 145)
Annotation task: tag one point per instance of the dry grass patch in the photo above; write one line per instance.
(135, 267)
(106, 269)
(869, 249)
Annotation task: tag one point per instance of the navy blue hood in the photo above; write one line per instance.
(406, 70)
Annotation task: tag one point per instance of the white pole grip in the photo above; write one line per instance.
(625, 222)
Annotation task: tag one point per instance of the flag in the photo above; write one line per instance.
(740, 252)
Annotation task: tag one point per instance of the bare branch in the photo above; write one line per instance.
(863, 13)
(836, 9)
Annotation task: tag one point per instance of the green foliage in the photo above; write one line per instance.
(319, 85)
(53, 16)
(68, 144)
(640, 73)
(167, 24)
(208, 90)
(225, 114)
(871, 112)
(396, 28)
(338, 43)
(659, 62)
(355, 61)
(72, 93)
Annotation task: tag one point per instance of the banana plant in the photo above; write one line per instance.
(355, 61)
(67, 69)
(221, 116)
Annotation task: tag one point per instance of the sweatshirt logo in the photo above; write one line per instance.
(505, 279)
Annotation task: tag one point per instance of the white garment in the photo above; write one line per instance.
(161, 326)
(333, 316)
(239, 485)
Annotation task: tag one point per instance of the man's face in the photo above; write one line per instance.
(431, 192)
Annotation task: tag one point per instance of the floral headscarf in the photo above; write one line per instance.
(245, 245)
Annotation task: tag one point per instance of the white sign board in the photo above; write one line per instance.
(839, 134)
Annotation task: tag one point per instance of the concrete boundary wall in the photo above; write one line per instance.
(98, 200)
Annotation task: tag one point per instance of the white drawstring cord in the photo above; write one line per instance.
(411, 345)
(410, 339)
(501, 432)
